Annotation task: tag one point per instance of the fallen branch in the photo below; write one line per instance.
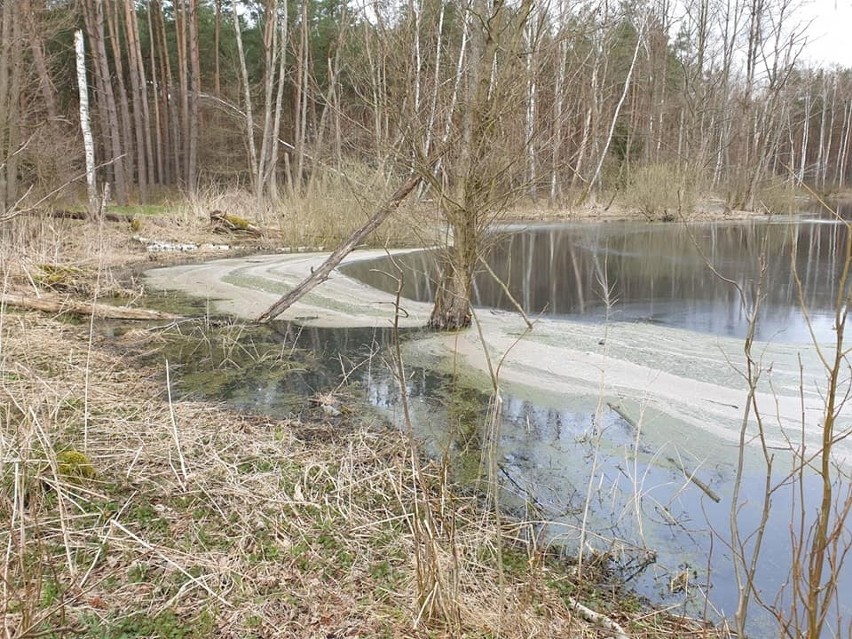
(65, 214)
(596, 618)
(321, 274)
(690, 476)
(59, 305)
(712, 494)
(620, 412)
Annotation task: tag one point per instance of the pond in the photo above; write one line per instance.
(671, 274)
(613, 464)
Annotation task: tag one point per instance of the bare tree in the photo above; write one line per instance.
(473, 191)
(106, 108)
(85, 122)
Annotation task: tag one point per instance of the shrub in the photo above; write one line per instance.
(662, 191)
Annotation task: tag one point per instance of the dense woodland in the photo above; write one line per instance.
(578, 99)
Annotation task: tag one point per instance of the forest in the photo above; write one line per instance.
(583, 100)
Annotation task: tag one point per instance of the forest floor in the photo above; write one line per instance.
(136, 515)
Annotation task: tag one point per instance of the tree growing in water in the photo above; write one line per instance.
(473, 183)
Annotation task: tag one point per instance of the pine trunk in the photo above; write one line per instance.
(195, 91)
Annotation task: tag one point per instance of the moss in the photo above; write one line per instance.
(222, 221)
(237, 222)
(59, 277)
(72, 464)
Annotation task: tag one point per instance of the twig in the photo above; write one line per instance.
(618, 410)
(505, 288)
(712, 494)
(171, 562)
(175, 432)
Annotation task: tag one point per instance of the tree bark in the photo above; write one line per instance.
(302, 98)
(183, 82)
(252, 149)
(46, 86)
(271, 52)
(107, 113)
(135, 52)
(85, 124)
(217, 30)
(156, 84)
(114, 27)
(9, 108)
(195, 91)
(136, 90)
(167, 96)
(279, 105)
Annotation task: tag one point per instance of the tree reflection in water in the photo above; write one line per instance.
(658, 273)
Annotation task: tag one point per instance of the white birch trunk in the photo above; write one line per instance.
(85, 122)
(840, 163)
(596, 175)
(529, 124)
(819, 178)
(844, 153)
(558, 110)
(255, 178)
(805, 135)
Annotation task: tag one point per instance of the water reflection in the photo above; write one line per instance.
(661, 273)
(642, 506)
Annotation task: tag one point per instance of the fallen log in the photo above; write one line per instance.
(228, 223)
(65, 214)
(320, 274)
(59, 305)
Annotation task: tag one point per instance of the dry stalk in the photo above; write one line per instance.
(183, 478)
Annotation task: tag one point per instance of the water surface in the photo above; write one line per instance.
(702, 277)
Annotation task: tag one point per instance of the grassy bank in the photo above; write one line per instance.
(132, 515)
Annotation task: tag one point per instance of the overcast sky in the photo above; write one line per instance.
(830, 34)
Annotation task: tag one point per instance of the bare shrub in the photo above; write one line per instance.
(775, 195)
(663, 191)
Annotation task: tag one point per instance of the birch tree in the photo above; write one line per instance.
(85, 122)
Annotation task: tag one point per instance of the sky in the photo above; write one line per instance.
(830, 34)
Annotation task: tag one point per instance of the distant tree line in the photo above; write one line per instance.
(269, 95)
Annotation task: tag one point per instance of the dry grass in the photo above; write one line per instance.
(202, 522)
(323, 216)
